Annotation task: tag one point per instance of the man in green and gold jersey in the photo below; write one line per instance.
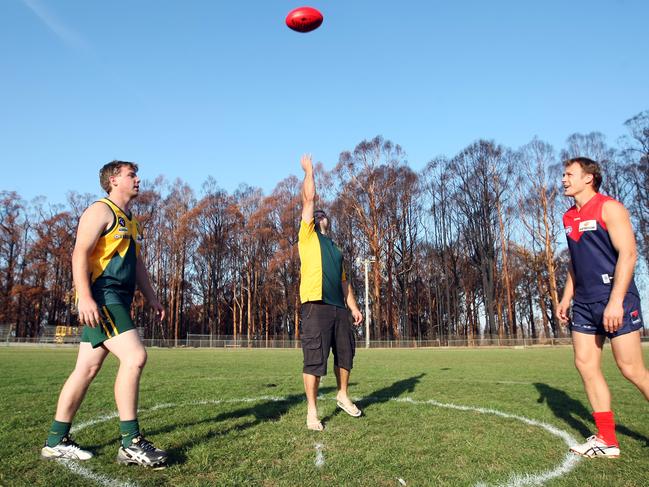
(327, 300)
(106, 268)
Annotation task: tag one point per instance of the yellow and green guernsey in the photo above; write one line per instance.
(321, 267)
(114, 259)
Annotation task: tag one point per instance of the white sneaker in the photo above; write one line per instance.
(142, 452)
(66, 448)
(595, 447)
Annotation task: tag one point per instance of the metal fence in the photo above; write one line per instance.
(229, 342)
(219, 341)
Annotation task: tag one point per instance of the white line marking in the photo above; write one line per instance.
(319, 456)
(569, 462)
(108, 417)
(91, 422)
(98, 478)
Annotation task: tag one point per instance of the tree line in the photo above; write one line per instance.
(470, 245)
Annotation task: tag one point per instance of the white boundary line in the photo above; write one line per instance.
(98, 478)
(569, 462)
(319, 455)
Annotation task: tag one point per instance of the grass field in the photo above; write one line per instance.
(236, 417)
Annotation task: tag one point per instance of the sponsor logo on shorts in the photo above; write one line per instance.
(586, 326)
(568, 230)
(588, 226)
(606, 279)
(635, 317)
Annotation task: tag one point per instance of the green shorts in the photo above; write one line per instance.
(114, 319)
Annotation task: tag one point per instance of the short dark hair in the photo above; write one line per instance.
(322, 214)
(112, 169)
(589, 167)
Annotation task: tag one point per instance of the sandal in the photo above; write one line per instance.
(352, 410)
(314, 424)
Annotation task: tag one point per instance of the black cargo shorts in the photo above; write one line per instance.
(325, 327)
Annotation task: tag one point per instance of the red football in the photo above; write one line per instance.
(304, 19)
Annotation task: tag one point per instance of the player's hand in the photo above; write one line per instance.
(358, 317)
(613, 316)
(306, 163)
(158, 308)
(562, 311)
(88, 312)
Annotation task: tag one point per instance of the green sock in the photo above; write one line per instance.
(57, 432)
(129, 429)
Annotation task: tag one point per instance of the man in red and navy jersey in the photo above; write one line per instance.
(605, 299)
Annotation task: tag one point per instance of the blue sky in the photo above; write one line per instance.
(195, 88)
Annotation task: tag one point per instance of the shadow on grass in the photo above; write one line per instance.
(575, 414)
(382, 395)
(259, 412)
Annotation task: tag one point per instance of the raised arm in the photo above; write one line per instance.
(308, 189)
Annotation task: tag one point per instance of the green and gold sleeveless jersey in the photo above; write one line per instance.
(321, 267)
(114, 258)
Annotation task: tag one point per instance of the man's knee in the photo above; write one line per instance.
(87, 371)
(586, 365)
(136, 360)
(634, 373)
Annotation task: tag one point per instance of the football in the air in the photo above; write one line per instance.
(304, 19)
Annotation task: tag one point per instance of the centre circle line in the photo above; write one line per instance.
(569, 462)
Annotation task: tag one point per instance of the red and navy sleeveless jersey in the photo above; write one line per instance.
(591, 251)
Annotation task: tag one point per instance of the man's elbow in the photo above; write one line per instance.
(633, 256)
(630, 256)
(78, 255)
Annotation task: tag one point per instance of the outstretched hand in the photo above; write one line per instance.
(306, 163)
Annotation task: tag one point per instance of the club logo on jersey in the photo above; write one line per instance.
(121, 222)
(568, 230)
(635, 317)
(587, 226)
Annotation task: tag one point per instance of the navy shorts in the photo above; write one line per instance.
(325, 327)
(589, 317)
